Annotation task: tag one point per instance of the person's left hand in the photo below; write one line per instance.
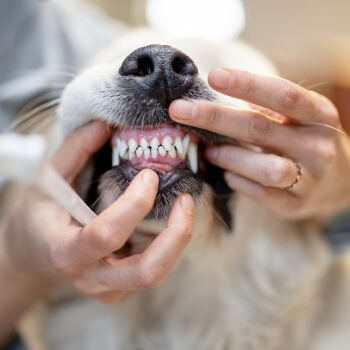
(300, 168)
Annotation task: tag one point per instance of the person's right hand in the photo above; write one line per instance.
(43, 240)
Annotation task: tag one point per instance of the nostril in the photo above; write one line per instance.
(183, 66)
(145, 66)
(136, 65)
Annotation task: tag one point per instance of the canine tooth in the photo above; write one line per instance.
(122, 148)
(115, 156)
(154, 143)
(172, 152)
(147, 152)
(154, 153)
(179, 147)
(162, 151)
(139, 152)
(167, 143)
(144, 144)
(193, 157)
(132, 145)
(185, 142)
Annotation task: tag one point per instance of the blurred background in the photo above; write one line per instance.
(309, 41)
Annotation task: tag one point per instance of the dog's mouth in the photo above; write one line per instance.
(168, 150)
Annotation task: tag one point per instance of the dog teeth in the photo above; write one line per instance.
(180, 147)
(139, 152)
(162, 151)
(167, 143)
(144, 144)
(147, 153)
(115, 156)
(132, 145)
(154, 153)
(122, 148)
(185, 143)
(172, 152)
(131, 154)
(192, 156)
(154, 143)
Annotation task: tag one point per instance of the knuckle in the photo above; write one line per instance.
(282, 173)
(247, 82)
(60, 263)
(149, 276)
(213, 115)
(100, 235)
(259, 128)
(290, 95)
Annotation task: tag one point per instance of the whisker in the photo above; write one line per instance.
(31, 114)
(316, 85)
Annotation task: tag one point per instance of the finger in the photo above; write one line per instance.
(113, 227)
(266, 169)
(73, 154)
(110, 230)
(277, 94)
(244, 125)
(151, 268)
(280, 201)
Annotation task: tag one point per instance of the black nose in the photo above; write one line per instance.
(160, 72)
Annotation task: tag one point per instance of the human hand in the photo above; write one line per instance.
(44, 242)
(301, 166)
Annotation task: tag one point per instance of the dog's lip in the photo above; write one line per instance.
(167, 178)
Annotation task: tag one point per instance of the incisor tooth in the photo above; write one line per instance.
(172, 152)
(132, 145)
(122, 148)
(147, 153)
(185, 142)
(139, 152)
(131, 154)
(144, 144)
(193, 157)
(115, 156)
(154, 143)
(154, 153)
(162, 151)
(167, 143)
(179, 147)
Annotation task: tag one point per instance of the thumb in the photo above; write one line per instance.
(73, 154)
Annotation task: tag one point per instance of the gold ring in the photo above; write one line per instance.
(296, 181)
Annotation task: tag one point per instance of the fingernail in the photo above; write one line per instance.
(220, 78)
(149, 178)
(212, 153)
(181, 110)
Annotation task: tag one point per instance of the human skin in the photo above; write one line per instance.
(284, 125)
(41, 246)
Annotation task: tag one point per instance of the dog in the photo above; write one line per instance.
(248, 280)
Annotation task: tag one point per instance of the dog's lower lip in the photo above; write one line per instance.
(167, 178)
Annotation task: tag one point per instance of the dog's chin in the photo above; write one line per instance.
(171, 184)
